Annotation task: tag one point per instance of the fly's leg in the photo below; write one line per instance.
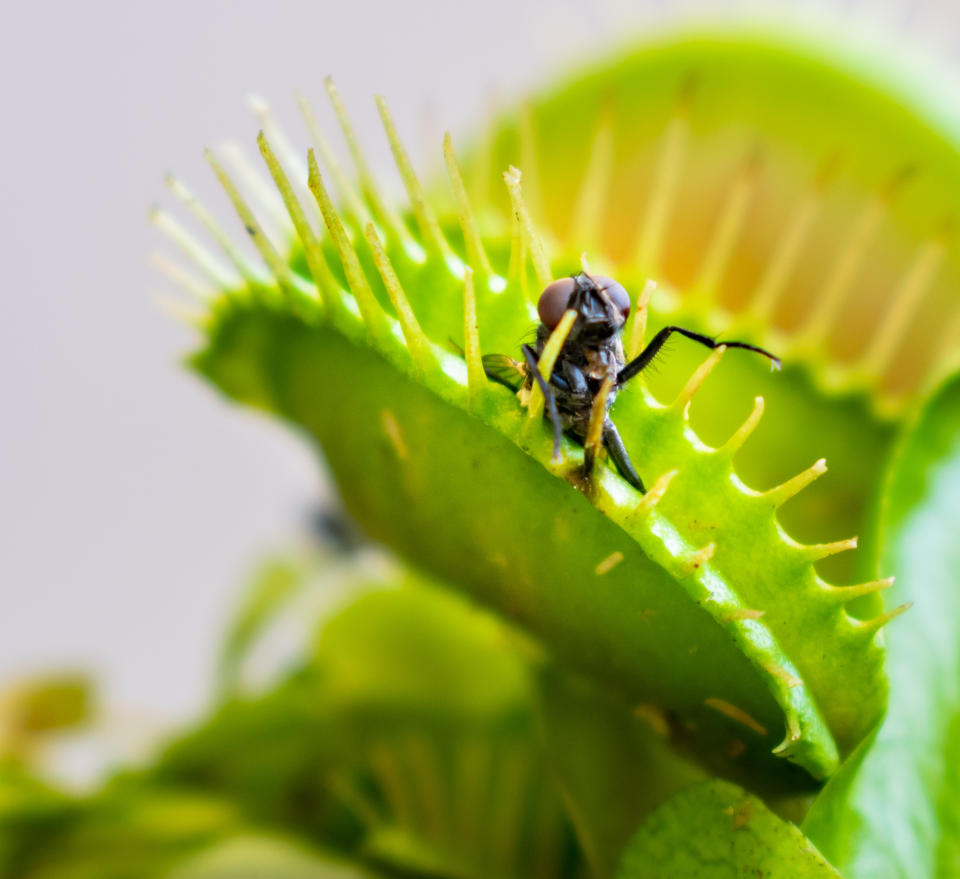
(645, 357)
(531, 358)
(618, 451)
(575, 379)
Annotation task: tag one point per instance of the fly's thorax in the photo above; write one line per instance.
(604, 361)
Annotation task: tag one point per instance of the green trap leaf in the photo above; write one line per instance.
(714, 830)
(893, 810)
(691, 597)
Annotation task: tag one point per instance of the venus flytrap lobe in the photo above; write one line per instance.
(716, 627)
(776, 187)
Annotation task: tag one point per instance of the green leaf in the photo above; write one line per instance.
(407, 736)
(421, 733)
(273, 586)
(264, 857)
(34, 708)
(613, 766)
(32, 813)
(120, 833)
(416, 650)
(715, 830)
(893, 810)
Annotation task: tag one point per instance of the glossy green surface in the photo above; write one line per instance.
(714, 830)
(893, 810)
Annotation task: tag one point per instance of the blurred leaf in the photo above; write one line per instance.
(264, 857)
(715, 830)
(270, 755)
(120, 833)
(419, 650)
(408, 735)
(31, 709)
(277, 581)
(412, 737)
(31, 814)
(613, 766)
(893, 810)
(437, 699)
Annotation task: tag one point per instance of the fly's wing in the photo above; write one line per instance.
(500, 368)
(505, 370)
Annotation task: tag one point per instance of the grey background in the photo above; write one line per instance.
(133, 500)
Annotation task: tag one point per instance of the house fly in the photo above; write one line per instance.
(591, 354)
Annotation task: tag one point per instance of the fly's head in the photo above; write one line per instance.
(602, 306)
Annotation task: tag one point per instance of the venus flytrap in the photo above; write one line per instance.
(744, 186)
(729, 628)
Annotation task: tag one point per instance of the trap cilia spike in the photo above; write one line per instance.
(710, 612)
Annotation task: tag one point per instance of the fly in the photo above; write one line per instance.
(591, 355)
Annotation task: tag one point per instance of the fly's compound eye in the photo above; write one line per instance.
(554, 301)
(614, 289)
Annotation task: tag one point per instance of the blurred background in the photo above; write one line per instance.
(133, 501)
